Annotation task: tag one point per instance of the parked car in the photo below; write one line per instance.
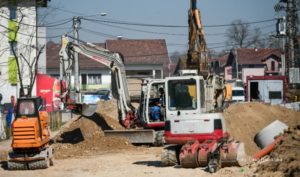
(94, 96)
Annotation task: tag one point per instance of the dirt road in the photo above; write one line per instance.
(135, 162)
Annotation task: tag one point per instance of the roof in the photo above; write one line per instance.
(134, 52)
(222, 60)
(84, 62)
(256, 56)
(147, 51)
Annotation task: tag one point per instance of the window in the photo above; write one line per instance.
(26, 108)
(13, 12)
(238, 93)
(272, 65)
(94, 79)
(13, 46)
(274, 95)
(182, 94)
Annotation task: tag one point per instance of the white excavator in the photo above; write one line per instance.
(140, 128)
(195, 131)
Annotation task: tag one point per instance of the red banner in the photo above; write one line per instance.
(48, 88)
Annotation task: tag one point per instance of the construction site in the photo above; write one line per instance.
(81, 149)
(205, 118)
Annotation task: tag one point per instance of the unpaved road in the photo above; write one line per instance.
(136, 162)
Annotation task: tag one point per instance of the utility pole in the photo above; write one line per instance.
(291, 45)
(76, 25)
(291, 37)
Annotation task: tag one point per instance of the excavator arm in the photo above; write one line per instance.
(197, 52)
(113, 61)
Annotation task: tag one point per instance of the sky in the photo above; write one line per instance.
(173, 13)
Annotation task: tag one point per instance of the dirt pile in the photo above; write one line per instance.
(245, 120)
(285, 159)
(85, 135)
(108, 110)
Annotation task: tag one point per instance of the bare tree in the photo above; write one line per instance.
(238, 34)
(241, 35)
(175, 57)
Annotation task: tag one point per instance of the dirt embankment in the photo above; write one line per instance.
(284, 161)
(245, 120)
(85, 135)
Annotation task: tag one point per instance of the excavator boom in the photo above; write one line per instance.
(197, 52)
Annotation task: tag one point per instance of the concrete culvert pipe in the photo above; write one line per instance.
(267, 134)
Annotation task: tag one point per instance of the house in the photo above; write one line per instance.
(217, 64)
(243, 62)
(146, 58)
(19, 36)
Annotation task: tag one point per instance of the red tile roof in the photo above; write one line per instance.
(255, 56)
(151, 51)
(53, 58)
(222, 60)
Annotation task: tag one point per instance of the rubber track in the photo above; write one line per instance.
(17, 166)
(41, 164)
(159, 138)
(168, 157)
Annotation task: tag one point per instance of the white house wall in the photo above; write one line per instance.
(5, 89)
(26, 41)
(252, 72)
(42, 42)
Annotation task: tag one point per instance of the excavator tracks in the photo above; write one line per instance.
(169, 155)
(17, 165)
(40, 164)
(33, 165)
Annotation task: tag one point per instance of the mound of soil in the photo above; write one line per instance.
(285, 159)
(85, 135)
(245, 120)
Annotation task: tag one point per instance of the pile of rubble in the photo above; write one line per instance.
(245, 120)
(85, 136)
(285, 159)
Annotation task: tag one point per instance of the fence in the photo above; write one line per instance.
(55, 120)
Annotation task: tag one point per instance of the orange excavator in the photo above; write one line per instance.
(30, 136)
(197, 55)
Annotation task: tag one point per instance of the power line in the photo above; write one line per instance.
(99, 33)
(48, 26)
(171, 26)
(144, 31)
(42, 37)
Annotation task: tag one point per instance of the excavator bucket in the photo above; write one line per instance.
(235, 155)
(83, 109)
(138, 136)
(89, 109)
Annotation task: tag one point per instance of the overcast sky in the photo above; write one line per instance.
(158, 12)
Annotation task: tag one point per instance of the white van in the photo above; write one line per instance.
(238, 94)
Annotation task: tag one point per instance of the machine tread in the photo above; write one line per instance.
(169, 156)
(40, 164)
(159, 138)
(16, 165)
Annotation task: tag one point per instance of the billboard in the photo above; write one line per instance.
(49, 89)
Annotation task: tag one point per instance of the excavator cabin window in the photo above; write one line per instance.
(182, 94)
(26, 108)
